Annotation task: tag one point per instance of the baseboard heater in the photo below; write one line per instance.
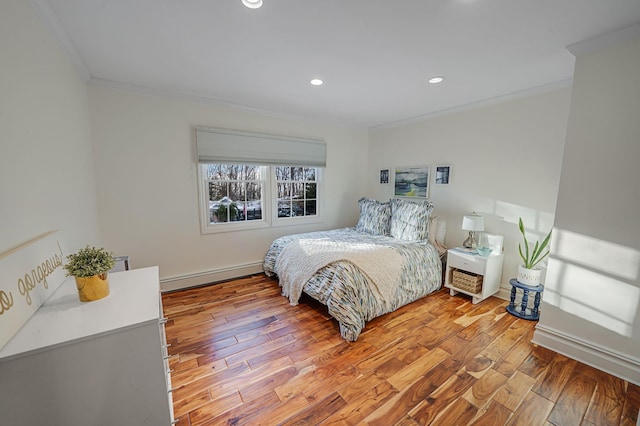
(209, 277)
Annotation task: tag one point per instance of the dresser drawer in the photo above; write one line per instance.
(475, 264)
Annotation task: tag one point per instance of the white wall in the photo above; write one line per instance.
(591, 305)
(46, 166)
(146, 174)
(505, 161)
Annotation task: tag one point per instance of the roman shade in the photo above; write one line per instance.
(215, 145)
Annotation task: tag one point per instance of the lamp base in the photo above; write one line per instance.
(470, 242)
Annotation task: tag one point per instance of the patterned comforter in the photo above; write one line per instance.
(348, 293)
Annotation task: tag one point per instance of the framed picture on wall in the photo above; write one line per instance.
(384, 177)
(412, 182)
(443, 174)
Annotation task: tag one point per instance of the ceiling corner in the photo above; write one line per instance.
(51, 21)
(605, 40)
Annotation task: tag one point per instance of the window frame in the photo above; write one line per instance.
(206, 227)
(269, 204)
(297, 220)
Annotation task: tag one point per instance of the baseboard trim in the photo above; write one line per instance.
(620, 365)
(504, 293)
(208, 277)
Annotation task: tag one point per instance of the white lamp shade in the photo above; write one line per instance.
(473, 223)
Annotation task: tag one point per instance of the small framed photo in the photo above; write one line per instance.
(443, 174)
(384, 177)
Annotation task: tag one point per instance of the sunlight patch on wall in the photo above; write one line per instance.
(610, 258)
(533, 219)
(594, 280)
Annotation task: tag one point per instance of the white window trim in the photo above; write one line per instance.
(297, 220)
(269, 205)
(203, 208)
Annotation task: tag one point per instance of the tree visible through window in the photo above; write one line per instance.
(297, 191)
(235, 192)
(244, 196)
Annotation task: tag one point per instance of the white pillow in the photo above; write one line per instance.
(433, 229)
(441, 232)
(437, 233)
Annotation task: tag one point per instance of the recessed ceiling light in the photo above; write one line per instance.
(252, 4)
(316, 82)
(434, 80)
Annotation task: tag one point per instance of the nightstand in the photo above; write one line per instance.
(472, 274)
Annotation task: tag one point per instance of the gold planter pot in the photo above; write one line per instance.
(92, 288)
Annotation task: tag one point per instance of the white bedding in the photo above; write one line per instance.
(302, 258)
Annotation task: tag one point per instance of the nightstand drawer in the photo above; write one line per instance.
(474, 264)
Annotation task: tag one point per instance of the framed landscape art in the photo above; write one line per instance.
(412, 182)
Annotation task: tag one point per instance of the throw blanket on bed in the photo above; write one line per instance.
(301, 259)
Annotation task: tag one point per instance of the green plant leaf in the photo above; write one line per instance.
(534, 253)
(89, 261)
(526, 243)
(540, 259)
(524, 259)
(531, 259)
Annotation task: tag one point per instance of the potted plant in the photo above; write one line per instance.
(90, 266)
(528, 274)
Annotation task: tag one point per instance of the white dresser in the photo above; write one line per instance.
(96, 363)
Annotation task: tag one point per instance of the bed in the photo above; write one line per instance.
(386, 261)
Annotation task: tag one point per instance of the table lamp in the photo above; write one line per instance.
(472, 223)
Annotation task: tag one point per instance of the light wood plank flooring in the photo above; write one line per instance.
(243, 355)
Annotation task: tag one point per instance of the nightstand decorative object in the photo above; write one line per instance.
(469, 273)
(522, 310)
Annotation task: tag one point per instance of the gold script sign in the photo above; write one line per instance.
(39, 275)
(6, 301)
(29, 274)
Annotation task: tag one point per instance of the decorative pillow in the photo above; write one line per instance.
(441, 231)
(437, 232)
(410, 219)
(433, 229)
(375, 217)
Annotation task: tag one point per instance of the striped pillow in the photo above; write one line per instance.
(375, 217)
(410, 219)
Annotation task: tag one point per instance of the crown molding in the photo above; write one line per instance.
(209, 100)
(605, 40)
(479, 104)
(50, 19)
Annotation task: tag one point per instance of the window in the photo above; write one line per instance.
(249, 180)
(234, 192)
(242, 196)
(297, 191)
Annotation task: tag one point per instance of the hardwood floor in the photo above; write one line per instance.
(243, 355)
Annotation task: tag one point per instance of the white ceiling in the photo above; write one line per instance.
(375, 56)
